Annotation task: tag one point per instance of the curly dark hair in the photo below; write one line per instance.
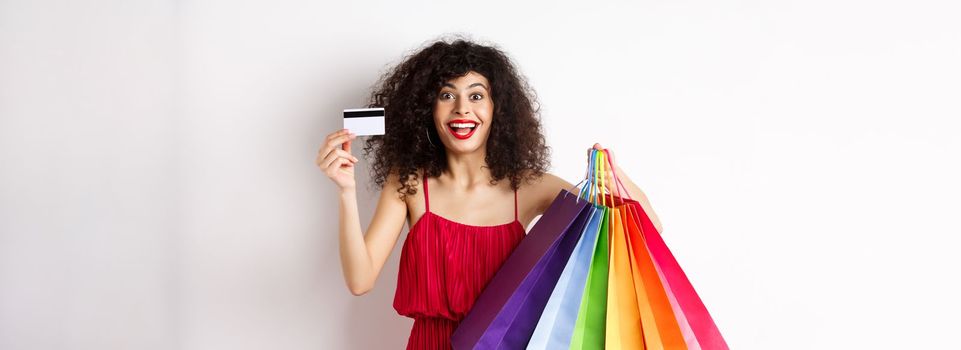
(516, 148)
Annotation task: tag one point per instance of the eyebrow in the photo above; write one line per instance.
(471, 85)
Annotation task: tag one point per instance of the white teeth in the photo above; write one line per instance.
(463, 125)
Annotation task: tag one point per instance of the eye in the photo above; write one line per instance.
(476, 97)
(446, 96)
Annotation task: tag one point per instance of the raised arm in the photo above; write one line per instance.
(362, 256)
(633, 190)
(639, 196)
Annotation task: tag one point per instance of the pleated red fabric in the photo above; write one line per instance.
(444, 266)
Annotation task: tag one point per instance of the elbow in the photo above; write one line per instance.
(358, 290)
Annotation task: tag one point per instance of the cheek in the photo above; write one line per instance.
(488, 112)
(438, 113)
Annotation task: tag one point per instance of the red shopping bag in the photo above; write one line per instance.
(666, 288)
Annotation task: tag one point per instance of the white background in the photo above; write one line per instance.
(158, 191)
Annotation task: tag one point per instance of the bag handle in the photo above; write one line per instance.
(602, 177)
(583, 191)
(595, 190)
(590, 189)
(617, 180)
(587, 192)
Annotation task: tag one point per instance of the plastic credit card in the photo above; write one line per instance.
(364, 121)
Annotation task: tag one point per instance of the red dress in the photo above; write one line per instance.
(444, 265)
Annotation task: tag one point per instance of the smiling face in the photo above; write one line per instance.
(462, 113)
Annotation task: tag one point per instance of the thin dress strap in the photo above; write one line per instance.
(427, 197)
(515, 205)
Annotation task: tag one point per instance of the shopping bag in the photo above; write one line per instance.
(672, 314)
(623, 313)
(695, 314)
(511, 303)
(513, 326)
(556, 324)
(589, 329)
(689, 338)
(658, 321)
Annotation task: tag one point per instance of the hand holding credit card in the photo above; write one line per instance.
(364, 121)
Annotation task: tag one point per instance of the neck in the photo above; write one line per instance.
(467, 170)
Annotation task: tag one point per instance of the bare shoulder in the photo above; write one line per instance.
(392, 185)
(413, 201)
(541, 191)
(553, 183)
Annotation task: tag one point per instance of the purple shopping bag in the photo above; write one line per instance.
(506, 312)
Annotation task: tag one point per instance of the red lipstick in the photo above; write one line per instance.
(462, 128)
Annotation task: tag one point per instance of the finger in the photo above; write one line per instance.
(346, 155)
(341, 163)
(338, 154)
(323, 154)
(338, 140)
(334, 156)
(337, 165)
(330, 142)
(346, 146)
(331, 158)
(337, 133)
(335, 143)
(590, 151)
(323, 157)
(610, 154)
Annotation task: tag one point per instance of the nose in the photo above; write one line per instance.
(461, 107)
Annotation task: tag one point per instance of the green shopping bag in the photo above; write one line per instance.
(590, 329)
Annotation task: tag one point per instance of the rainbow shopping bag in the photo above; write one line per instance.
(590, 328)
(594, 273)
(556, 325)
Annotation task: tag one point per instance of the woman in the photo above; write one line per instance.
(464, 164)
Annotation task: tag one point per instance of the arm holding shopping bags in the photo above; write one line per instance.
(632, 189)
(547, 188)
